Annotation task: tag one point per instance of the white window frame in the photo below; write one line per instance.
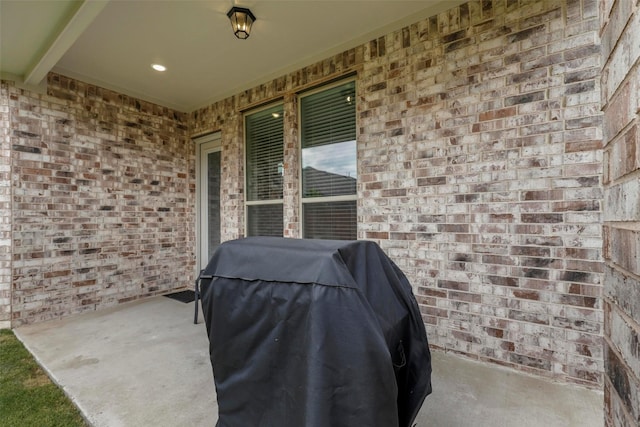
(247, 202)
(306, 200)
(211, 142)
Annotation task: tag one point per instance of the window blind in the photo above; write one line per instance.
(330, 220)
(329, 158)
(264, 150)
(328, 117)
(264, 137)
(264, 220)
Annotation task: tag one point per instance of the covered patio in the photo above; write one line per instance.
(146, 363)
(492, 151)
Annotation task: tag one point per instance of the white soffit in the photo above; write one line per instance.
(113, 43)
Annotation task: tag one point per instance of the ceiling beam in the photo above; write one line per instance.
(79, 22)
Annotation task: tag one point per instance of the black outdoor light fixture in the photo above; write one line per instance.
(241, 21)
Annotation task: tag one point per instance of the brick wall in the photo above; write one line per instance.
(480, 174)
(103, 199)
(483, 174)
(620, 30)
(5, 209)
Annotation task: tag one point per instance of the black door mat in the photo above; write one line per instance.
(182, 296)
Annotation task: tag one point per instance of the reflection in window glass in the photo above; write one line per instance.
(329, 170)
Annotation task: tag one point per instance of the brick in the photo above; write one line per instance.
(542, 218)
(622, 289)
(525, 98)
(623, 155)
(620, 110)
(449, 284)
(622, 248)
(623, 200)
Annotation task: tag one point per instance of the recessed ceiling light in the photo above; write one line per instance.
(158, 67)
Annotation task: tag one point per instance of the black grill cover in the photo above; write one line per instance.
(313, 333)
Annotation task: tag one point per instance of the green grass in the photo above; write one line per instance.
(27, 395)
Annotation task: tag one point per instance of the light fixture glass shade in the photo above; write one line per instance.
(241, 21)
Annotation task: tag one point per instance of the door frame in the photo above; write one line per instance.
(204, 145)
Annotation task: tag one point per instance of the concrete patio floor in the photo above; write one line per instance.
(147, 364)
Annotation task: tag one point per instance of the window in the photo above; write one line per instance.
(264, 170)
(329, 163)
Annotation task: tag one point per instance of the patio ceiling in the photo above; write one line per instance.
(112, 43)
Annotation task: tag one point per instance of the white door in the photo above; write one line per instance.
(208, 231)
